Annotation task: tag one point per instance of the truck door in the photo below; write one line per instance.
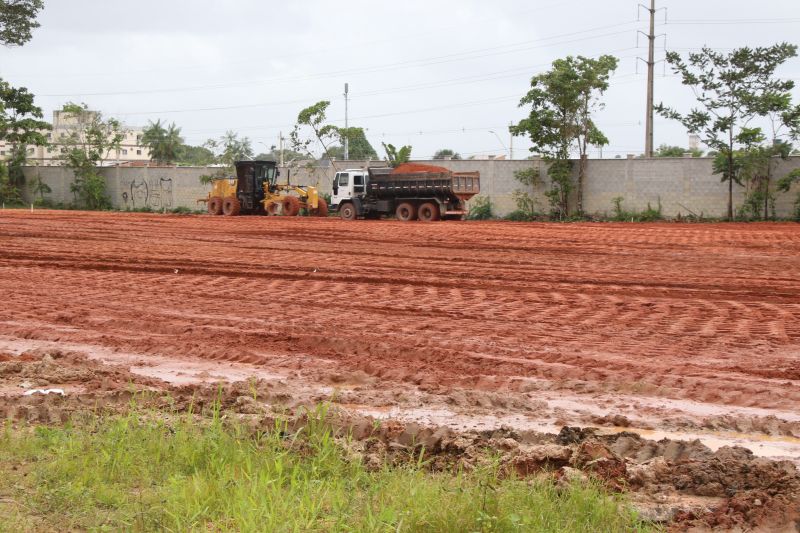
(342, 189)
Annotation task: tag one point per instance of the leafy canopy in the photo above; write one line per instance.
(562, 101)
(230, 148)
(446, 152)
(732, 90)
(18, 20)
(397, 157)
(91, 139)
(164, 143)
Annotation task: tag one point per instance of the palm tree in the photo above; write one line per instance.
(164, 143)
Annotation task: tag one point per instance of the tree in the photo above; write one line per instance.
(313, 118)
(198, 156)
(274, 154)
(230, 148)
(90, 141)
(18, 20)
(358, 146)
(731, 90)
(397, 157)
(446, 152)
(562, 102)
(676, 151)
(20, 126)
(164, 143)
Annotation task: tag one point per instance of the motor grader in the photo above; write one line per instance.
(255, 191)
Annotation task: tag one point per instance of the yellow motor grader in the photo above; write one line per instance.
(255, 191)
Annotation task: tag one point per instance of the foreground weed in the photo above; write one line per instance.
(138, 472)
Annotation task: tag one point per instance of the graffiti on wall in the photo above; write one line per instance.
(155, 193)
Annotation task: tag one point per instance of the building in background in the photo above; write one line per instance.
(131, 150)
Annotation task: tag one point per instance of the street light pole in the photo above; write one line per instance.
(501, 143)
(347, 134)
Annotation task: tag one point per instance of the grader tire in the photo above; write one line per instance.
(428, 212)
(291, 206)
(231, 206)
(322, 208)
(215, 205)
(406, 212)
(274, 209)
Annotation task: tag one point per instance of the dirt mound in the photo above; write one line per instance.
(408, 168)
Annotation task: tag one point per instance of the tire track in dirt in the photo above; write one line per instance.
(704, 312)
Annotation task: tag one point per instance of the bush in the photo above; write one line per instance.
(480, 208)
(648, 215)
(519, 215)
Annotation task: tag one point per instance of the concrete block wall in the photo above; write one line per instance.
(683, 186)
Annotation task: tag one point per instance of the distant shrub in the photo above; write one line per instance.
(480, 208)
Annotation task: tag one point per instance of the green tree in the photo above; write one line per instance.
(39, 187)
(446, 152)
(397, 157)
(18, 20)
(676, 151)
(358, 145)
(90, 141)
(732, 90)
(274, 154)
(230, 148)
(164, 143)
(197, 156)
(20, 126)
(311, 129)
(562, 102)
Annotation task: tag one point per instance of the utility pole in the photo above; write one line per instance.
(280, 146)
(651, 37)
(346, 139)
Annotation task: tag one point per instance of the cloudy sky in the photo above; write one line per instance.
(432, 74)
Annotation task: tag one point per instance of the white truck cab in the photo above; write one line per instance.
(347, 184)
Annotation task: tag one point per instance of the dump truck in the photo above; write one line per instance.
(255, 191)
(409, 192)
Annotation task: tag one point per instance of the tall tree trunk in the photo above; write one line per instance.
(730, 176)
(581, 174)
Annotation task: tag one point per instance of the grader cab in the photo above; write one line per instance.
(255, 191)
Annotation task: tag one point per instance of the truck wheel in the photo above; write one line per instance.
(291, 206)
(322, 208)
(406, 212)
(347, 211)
(231, 206)
(215, 205)
(428, 212)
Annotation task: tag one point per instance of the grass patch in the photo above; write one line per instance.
(142, 472)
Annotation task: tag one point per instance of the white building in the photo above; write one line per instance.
(131, 149)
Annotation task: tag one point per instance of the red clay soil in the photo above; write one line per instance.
(408, 168)
(706, 313)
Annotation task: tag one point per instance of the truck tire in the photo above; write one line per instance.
(215, 205)
(347, 211)
(291, 206)
(428, 212)
(406, 212)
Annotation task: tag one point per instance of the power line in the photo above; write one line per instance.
(436, 60)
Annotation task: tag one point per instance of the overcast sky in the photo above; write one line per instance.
(432, 74)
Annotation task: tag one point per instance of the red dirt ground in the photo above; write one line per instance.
(665, 329)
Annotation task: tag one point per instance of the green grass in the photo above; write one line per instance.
(145, 472)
